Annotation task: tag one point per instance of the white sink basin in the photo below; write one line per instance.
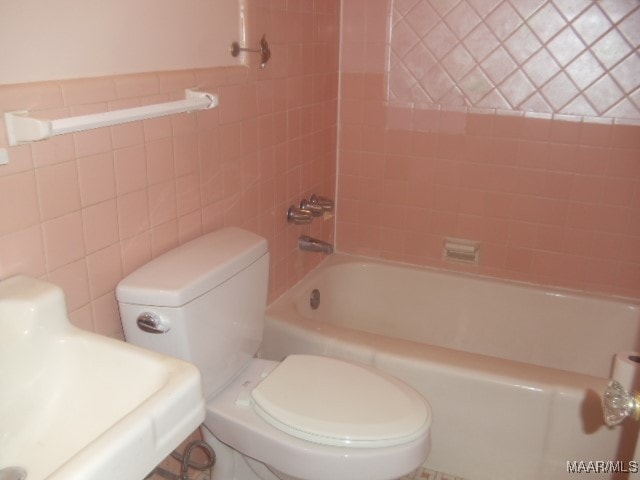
(78, 406)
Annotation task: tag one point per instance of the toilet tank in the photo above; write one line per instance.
(208, 297)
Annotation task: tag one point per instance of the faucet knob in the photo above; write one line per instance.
(299, 216)
(315, 209)
(325, 203)
(618, 404)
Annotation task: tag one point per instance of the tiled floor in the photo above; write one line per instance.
(424, 474)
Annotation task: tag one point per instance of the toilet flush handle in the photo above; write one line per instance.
(152, 323)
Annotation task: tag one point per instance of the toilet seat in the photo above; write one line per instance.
(333, 402)
(233, 419)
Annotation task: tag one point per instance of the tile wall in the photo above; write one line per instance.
(83, 210)
(574, 57)
(553, 197)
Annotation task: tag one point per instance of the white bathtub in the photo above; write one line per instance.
(513, 373)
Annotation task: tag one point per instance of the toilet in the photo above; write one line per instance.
(306, 417)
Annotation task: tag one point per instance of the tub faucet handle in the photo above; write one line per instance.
(315, 209)
(299, 216)
(618, 404)
(325, 203)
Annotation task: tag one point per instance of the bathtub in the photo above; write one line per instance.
(513, 372)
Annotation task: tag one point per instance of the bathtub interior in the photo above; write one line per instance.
(505, 404)
(524, 323)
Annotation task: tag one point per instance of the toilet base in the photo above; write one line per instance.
(232, 465)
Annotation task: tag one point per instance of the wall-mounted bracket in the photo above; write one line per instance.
(263, 50)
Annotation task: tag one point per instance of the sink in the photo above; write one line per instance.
(75, 405)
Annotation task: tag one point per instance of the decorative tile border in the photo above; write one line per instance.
(572, 58)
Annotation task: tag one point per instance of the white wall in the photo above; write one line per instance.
(60, 39)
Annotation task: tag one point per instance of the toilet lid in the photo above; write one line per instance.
(334, 402)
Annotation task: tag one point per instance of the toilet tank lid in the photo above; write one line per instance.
(192, 269)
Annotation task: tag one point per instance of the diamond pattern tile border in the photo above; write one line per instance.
(573, 57)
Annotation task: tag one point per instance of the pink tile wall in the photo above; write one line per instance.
(554, 200)
(84, 210)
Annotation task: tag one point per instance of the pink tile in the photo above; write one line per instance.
(127, 135)
(164, 237)
(100, 224)
(550, 238)
(185, 154)
(18, 202)
(586, 188)
(105, 270)
(92, 142)
(519, 260)
(470, 227)
(54, 150)
(130, 169)
(596, 134)
(578, 242)
(58, 190)
(20, 160)
(157, 128)
(159, 160)
(231, 138)
(623, 163)
(626, 136)
(619, 191)
(162, 203)
(189, 227)
(187, 194)
(133, 214)
(22, 252)
(598, 217)
(63, 240)
(135, 252)
(184, 123)
(96, 178)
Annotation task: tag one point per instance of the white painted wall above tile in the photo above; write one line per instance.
(44, 40)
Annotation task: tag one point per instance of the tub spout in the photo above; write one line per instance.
(310, 244)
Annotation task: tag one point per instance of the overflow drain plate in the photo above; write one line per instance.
(314, 301)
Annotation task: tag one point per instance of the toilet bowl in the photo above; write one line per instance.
(268, 413)
(306, 417)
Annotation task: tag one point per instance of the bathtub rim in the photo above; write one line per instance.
(339, 258)
(371, 345)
